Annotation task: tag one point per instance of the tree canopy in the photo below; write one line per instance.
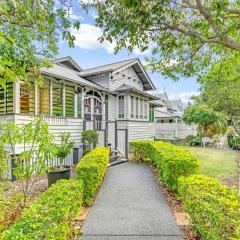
(29, 32)
(209, 122)
(184, 36)
(220, 88)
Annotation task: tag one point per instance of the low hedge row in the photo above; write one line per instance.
(91, 170)
(49, 217)
(171, 161)
(214, 209)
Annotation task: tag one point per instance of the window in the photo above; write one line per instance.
(44, 98)
(162, 121)
(87, 109)
(57, 98)
(6, 99)
(132, 106)
(137, 107)
(145, 110)
(170, 120)
(27, 98)
(121, 106)
(69, 100)
(141, 108)
(97, 109)
(151, 113)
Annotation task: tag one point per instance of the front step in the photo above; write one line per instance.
(116, 162)
(114, 158)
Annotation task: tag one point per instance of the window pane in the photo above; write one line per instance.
(6, 99)
(121, 106)
(132, 106)
(69, 100)
(27, 98)
(137, 107)
(141, 108)
(44, 98)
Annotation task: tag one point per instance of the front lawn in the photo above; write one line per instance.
(216, 163)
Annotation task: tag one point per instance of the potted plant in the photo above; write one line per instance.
(89, 140)
(62, 151)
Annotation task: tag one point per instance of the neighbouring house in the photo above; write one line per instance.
(169, 123)
(112, 99)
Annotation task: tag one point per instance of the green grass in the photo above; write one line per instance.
(220, 164)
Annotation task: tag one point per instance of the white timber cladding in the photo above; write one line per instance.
(101, 79)
(126, 76)
(57, 125)
(137, 130)
(112, 108)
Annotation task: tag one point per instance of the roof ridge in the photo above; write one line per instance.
(104, 65)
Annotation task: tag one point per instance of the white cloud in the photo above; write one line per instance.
(73, 15)
(87, 38)
(184, 96)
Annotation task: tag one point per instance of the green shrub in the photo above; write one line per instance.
(171, 161)
(193, 140)
(89, 140)
(214, 209)
(49, 217)
(91, 169)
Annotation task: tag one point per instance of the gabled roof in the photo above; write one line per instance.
(126, 88)
(61, 72)
(177, 105)
(68, 62)
(165, 100)
(118, 66)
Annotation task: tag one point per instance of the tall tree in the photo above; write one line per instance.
(209, 122)
(184, 36)
(221, 89)
(29, 32)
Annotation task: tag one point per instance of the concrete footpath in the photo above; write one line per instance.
(130, 205)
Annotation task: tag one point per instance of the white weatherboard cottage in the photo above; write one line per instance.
(111, 99)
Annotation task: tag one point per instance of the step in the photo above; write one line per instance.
(114, 158)
(111, 164)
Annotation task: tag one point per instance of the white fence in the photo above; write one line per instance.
(174, 130)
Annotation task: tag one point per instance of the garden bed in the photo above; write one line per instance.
(40, 185)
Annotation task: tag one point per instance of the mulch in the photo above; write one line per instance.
(40, 185)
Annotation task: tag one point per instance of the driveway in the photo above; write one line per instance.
(130, 205)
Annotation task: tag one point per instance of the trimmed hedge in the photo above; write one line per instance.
(171, 161)
(49, 217)
(91, 169)
(214, 209)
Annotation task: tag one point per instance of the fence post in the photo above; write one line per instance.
(126, 143)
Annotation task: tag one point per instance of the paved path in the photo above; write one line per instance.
(130, 206)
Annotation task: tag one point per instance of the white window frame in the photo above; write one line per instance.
(121, 100)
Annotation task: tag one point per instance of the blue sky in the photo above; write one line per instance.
(89, 52)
